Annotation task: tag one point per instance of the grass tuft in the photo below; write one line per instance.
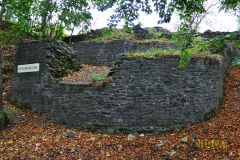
(158, 53)
(114, 34)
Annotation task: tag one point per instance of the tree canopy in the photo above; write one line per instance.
(231, 5)
(48, 18)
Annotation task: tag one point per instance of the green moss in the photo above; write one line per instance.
(100, 78)
(1, 113)
(211, 114)
(3, 119)
(146, 41)
(155, 33)
(154, 53)
(108, 34)
(11, 110)
(234, 39)
(113, 34)
(236, 44)
(158, 53)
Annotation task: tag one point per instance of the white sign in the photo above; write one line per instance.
(28, 68)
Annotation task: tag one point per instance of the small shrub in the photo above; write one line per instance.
(96, 78)
(195, 46)
(11, 110)
(234, 38)
(197, 50)
(184, 38)
(237, 44)
(155, 33)
(99, 80)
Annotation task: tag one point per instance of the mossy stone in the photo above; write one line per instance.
(3, 120)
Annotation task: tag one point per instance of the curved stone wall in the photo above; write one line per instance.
(145, 96)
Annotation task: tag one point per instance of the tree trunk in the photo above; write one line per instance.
(44, 16)
(70, 39)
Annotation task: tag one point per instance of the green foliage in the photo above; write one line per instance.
(96, 78)
(114, 34)
(1, 113)
(234, 39)
(200, 45)
(106, 34)
(11, 110)
(195, 51)
(46, 18)
(7, 66)
(9, 36)
(237, 44)
(231, 5)
(154, 53)
(207, 46)
(155, 33)
(127, 29)
(190, 45)
(217, 44)
(99, 79)
(129, 10)
(184, 38)
(236, 61)
(49, 18)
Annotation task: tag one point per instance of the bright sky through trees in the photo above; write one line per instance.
(217, 21)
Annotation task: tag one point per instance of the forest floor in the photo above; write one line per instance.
(31, 136)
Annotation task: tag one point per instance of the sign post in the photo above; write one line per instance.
(28, 68)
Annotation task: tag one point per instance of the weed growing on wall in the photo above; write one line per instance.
(190, 45)
(198, 48)
(156, 34)
(114, 34)
(96, 78)
(234, 38)
(106, 34)
(154, 53)
(99, 80)
(184, 39)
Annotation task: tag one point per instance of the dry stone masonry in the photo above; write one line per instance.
(105, 53)
(145, 96)
(3, 118)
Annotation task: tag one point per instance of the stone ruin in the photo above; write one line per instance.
(146, 95)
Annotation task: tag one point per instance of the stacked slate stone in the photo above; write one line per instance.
(146, 95)
(143, 33)
(62, 59)
(3, 118)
